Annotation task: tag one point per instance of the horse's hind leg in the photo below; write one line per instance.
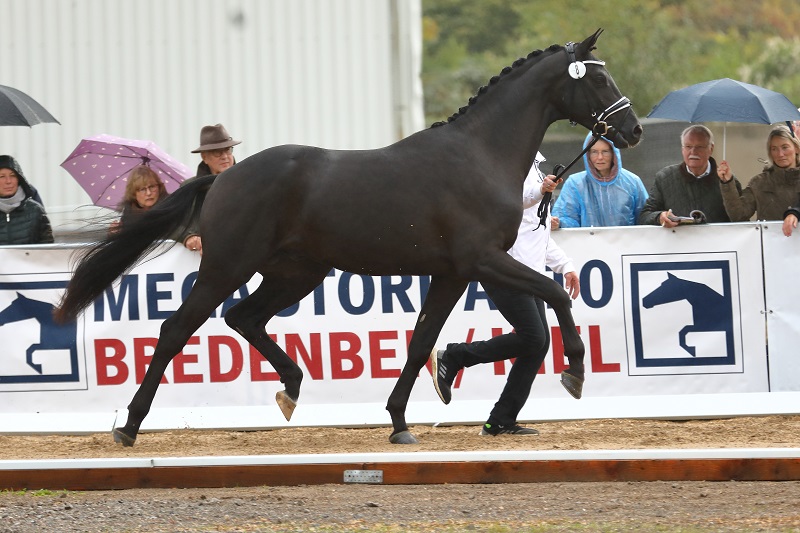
(442, 297)
(205, 296)
(250, 316)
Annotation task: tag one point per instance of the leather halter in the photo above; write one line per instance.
(577, 70)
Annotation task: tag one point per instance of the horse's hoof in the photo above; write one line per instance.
(573, 384)
(122, 438)
(286, 404)
(404, 437)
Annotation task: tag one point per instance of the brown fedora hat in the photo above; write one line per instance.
(214, 137)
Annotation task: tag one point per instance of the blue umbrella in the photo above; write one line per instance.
(726, 100)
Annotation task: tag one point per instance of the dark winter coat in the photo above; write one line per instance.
(768, 195)
(194, 225)
(28, 223)
(677, 189)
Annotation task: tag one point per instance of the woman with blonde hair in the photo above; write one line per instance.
(770, 193)
(143, 190)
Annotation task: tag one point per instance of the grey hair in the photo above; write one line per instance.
(698, 128)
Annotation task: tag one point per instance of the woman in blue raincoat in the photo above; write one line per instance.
(605, 194)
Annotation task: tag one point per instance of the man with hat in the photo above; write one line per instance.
(216, 151)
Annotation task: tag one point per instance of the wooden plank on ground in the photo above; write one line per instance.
(406, 473)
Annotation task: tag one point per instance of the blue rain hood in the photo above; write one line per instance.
(585, 201)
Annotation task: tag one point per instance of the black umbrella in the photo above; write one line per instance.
(19, 109)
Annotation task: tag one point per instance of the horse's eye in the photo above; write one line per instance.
(600, 81)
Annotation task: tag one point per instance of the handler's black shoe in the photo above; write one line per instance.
(443, 374)
(497, 429)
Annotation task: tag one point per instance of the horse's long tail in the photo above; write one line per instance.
(100, 265)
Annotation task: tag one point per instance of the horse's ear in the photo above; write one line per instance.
(588, 44)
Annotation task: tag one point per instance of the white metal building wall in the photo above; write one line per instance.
(333, 73)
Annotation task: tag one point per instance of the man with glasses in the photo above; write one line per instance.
(689, 186)
(216, 151)
(605, 194)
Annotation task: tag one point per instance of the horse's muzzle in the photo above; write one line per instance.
(621, 140)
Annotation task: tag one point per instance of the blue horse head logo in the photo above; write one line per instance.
(711, 311)
(52, 336)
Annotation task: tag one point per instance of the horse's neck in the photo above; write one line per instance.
(512, 117)
(703, 294)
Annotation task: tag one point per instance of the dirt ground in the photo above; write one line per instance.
(621, 506)
(604, 434)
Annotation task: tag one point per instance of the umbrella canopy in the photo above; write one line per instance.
(101, 165)
(19, 109)
(726, 100)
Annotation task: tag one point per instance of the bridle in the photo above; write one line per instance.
(577, 71)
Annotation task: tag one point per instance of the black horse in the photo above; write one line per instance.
(444, 202)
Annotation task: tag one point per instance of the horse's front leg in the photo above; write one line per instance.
(442, 296)
(573, 377)
(502, 269)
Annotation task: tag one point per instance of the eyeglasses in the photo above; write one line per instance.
(698, 147)
(595, 153)
(219, 152)
(146, 189)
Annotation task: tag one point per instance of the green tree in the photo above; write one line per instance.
(777, 68)
(651, 46)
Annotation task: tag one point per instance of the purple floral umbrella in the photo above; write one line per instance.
(101, 165)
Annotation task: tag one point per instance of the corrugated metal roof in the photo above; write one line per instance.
(317, 72)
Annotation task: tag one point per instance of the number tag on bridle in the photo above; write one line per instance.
(577, 69)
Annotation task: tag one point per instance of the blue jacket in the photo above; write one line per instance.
(588, 202)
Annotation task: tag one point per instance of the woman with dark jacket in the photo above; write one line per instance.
(770, 193)
(22, 219)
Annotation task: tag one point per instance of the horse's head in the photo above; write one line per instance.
(671, 289)
(591, 98)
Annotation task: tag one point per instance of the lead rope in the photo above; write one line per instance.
(560, 170)
(599, 129)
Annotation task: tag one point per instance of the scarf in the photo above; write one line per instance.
(612, 172)
(12, 202)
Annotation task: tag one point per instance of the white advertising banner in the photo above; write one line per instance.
(670, 319)
(782, 290)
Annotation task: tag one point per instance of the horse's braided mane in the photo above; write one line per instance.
(494, 80)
